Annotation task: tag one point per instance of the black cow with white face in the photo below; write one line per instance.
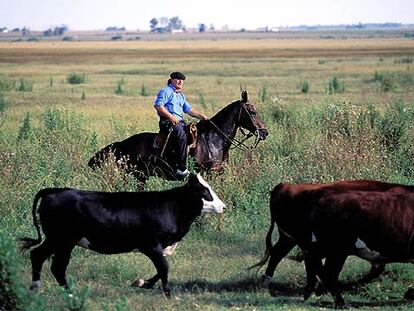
(116, 222)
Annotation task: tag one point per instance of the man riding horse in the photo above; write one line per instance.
(171, 105)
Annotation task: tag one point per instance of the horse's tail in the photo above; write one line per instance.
(265, 258)
(26, 242)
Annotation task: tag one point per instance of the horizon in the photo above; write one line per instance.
(100, 14)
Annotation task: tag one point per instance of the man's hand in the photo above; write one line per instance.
(174, 120)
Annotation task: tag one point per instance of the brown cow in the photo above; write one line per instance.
(376, 226)
(290, 208)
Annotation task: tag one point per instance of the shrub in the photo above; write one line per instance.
(144, 91)
(26, 128)
(335, 86)
(76, 78)
(3, 103)
(304, 87)
(10, 288)
(6, 85)
(119, 90)
(33, 39)
(24, 86)
(67, 38)
(115, 38)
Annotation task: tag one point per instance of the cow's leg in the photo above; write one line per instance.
(278, 251)
(161, 264)
(60, 263)
(313, 267)
(38, 256)
(331, 270)
(376, 270)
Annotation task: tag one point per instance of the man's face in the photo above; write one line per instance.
(178, 83)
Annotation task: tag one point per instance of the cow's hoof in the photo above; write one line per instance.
(35, 286)
(140, 283)
(265, 280)
(307, 293)
(409, 294)
(167, 292)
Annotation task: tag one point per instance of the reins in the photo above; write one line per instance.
(240, 143)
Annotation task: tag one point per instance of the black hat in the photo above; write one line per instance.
(177, 75)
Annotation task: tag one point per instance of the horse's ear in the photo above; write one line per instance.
(244, 98)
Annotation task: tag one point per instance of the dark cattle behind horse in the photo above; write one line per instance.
(141, 157)
(290, 209)
(376, 226)
(116, 222)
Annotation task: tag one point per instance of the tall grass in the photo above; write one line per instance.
(48, 135)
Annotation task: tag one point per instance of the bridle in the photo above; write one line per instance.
(240, 143)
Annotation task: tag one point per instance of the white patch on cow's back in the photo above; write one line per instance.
(84, 242)
(216, 205)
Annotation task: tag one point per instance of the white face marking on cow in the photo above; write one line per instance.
(313, 237)
(84, 243)
(216, 206)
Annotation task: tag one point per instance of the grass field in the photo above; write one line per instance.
(339, 108)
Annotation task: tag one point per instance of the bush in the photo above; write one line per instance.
(115, 38)
(144, 91)
(7, 85)
(10, 287)
(335, 86)
(119, 90)
(304, 87)
(76, 78)
(24, 86)
(3, 103)
(26, 128)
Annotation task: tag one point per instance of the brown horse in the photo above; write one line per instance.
(140, 156)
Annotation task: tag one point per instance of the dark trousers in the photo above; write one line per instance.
(177, 142)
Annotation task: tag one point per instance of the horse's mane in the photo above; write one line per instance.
(218, 117)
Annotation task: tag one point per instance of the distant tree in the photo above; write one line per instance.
(153, 24)
(175, 23)
(202, 27)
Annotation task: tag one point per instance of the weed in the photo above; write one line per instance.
(26, 128)
(144, 91)
(24, 86)
(76, 78)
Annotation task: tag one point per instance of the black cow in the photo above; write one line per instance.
(118, 222)
(377, 226)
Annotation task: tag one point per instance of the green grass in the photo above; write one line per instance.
(47, 136)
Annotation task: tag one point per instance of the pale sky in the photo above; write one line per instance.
(236, 14)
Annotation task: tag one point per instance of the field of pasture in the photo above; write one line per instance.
(340, 108)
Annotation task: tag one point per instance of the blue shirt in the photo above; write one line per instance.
(173, 101)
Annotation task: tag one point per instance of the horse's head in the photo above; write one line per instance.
(250, 120)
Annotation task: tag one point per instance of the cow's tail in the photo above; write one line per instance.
(26, 242)
(265, 258)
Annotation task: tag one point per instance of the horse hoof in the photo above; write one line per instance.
(409, 294)
(140, 283)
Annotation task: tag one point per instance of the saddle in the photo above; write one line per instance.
(162, 138)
